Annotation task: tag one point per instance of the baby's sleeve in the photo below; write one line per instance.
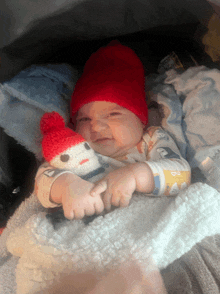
(45, 177)
(171, 171)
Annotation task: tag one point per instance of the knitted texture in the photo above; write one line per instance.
(57, 138)
(169, 227)
(114, 74)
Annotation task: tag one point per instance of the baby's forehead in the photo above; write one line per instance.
(99, 107)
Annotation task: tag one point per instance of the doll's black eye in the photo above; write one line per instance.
(87, 146)
(64, 157)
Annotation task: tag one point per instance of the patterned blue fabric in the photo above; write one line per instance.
(191, 104)
(43, 86)
(31, 93)
(165, 95)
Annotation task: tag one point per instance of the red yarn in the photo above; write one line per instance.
(57, 138)
(114, 74)
(51, 121)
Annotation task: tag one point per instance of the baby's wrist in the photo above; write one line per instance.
(144, 177)
(59, 187)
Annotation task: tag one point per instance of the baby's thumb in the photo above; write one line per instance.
(99, 188)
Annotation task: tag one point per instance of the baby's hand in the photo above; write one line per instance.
(74, 194)
(118, 186)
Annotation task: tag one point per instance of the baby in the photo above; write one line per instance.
(109, 110)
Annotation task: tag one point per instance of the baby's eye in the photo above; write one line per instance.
(64, 157)
(83, 119)
(114, 113)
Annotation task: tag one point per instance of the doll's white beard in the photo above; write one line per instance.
(87, 167)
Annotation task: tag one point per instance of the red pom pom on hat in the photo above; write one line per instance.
(114, 74)
(56, 136)
(50, 122)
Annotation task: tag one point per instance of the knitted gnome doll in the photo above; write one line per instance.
(65, 149)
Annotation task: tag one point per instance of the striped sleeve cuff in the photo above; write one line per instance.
(159, 180)
(170, 177)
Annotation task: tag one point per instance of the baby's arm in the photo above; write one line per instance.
(45, 177)
(165, 172)
(56, 187)
(119, 185)
(170, 170)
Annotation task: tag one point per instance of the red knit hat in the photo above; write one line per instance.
(56, 137)
(114, 74)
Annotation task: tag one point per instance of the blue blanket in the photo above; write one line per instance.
(26, 97)
(191, 108)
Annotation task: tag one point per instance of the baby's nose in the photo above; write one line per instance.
(98, 125)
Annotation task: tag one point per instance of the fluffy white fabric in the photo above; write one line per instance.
(164, 227)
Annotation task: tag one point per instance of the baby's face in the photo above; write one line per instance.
(110, 129)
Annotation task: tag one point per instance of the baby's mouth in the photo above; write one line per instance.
(102, 140)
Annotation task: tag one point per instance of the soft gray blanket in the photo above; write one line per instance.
(197, 271)
(164, 227)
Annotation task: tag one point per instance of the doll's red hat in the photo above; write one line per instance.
(56, 136)
(114, 74)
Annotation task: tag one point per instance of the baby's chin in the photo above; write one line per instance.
(106, 151)
(110, 151)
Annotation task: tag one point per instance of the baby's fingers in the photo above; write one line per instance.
(68, 210)
(99, 207)
(120, 199)
(71, 209)
(99, 188)
(125, 200)
(90, 210)
(107, 200)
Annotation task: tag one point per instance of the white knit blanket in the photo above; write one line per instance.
(164, 227)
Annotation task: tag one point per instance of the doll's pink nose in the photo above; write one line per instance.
(83, 161)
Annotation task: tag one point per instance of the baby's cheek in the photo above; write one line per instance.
(129, 135)
(83, 131)
(77, 128)
(36, 188)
